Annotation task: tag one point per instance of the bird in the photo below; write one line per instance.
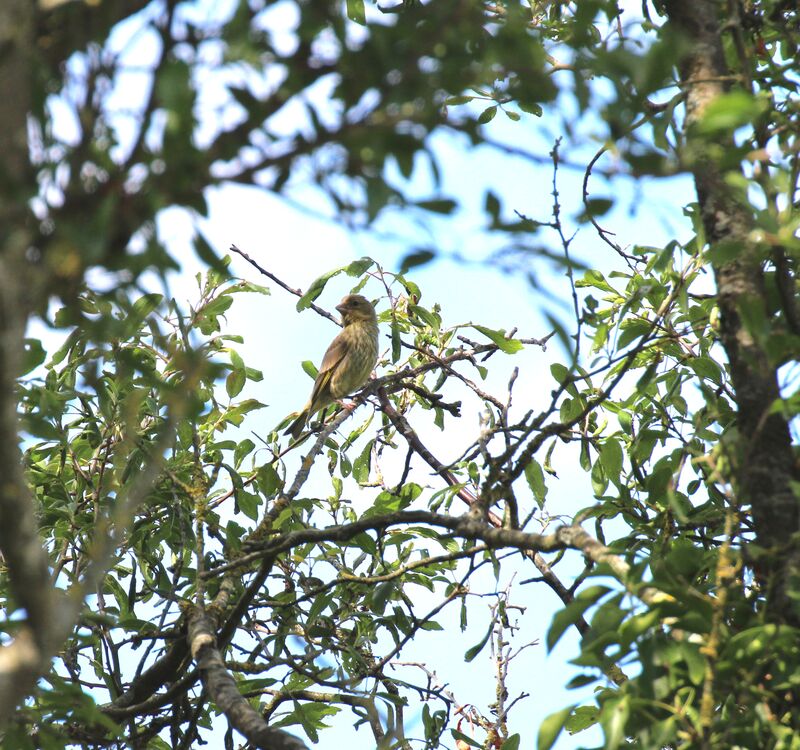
(347, 363)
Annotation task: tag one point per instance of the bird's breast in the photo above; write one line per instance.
(362, 353)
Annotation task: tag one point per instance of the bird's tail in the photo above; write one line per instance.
(295, 429)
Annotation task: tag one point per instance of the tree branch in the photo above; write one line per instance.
(22, 660)
(766, 466)
(222, 688)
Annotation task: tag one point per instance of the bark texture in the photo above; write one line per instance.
(30, 37)
(766, 467)
(222, 689)
(21, 660)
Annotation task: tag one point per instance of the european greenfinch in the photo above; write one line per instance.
(348, 362)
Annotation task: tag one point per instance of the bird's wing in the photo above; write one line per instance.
(337, 351)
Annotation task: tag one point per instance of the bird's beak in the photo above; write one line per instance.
(340, 308)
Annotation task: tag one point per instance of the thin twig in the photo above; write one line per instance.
(296, 292)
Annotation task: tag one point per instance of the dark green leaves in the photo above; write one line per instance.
(473, 651)
(570, 614)
(416, 258)
(34, 355)
(438, 205)
(487, 115)
(356, 268)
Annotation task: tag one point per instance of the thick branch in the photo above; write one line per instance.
(765, 459)
(21, 661)
(565, 537)
(222, 689)
(165, 669)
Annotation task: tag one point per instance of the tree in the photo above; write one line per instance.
(160, 567)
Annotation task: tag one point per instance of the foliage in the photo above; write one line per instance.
(198, 571)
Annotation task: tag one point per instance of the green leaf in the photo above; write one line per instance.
(381, 595)
(614, 717)
(487, 115)
(206, 253)
(551, 727)
(439, 206)
(207, 317)
(730, 111)
(559, 372)
(320, 603)
(572, 612)
(242, 450)
(249, 286)
(599, 478)
(389, 502)
(255, 683)
(595, 207)
(235, 382)
(530, 108)
(636, 625)
(237, 363)
(695, 662)
(416, 258)
(707, 368)
(512, 743)
(582, 718)
(452, 101)
(492, 205)
(356, 13)
(34, 355)
(724, 251)
(509, 346)
(581, 680)
(269, 481)
(535, 477)
(633, 330)
(396, 343)
(356, 268)
(463, 737)
(217, 306)
(248, 504)
(611, 459)
(547, 465)
(316, 288)
(595, 279)
(174, 86)
(362, 464)
(431, 319)
(431, 625)
(359, 267)
(145, 304)
(473, 651)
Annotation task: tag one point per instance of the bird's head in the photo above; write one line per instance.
(355, 308)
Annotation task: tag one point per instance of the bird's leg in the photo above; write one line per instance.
(346, 405)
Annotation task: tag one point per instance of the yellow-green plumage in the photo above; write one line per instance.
(348, 362)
